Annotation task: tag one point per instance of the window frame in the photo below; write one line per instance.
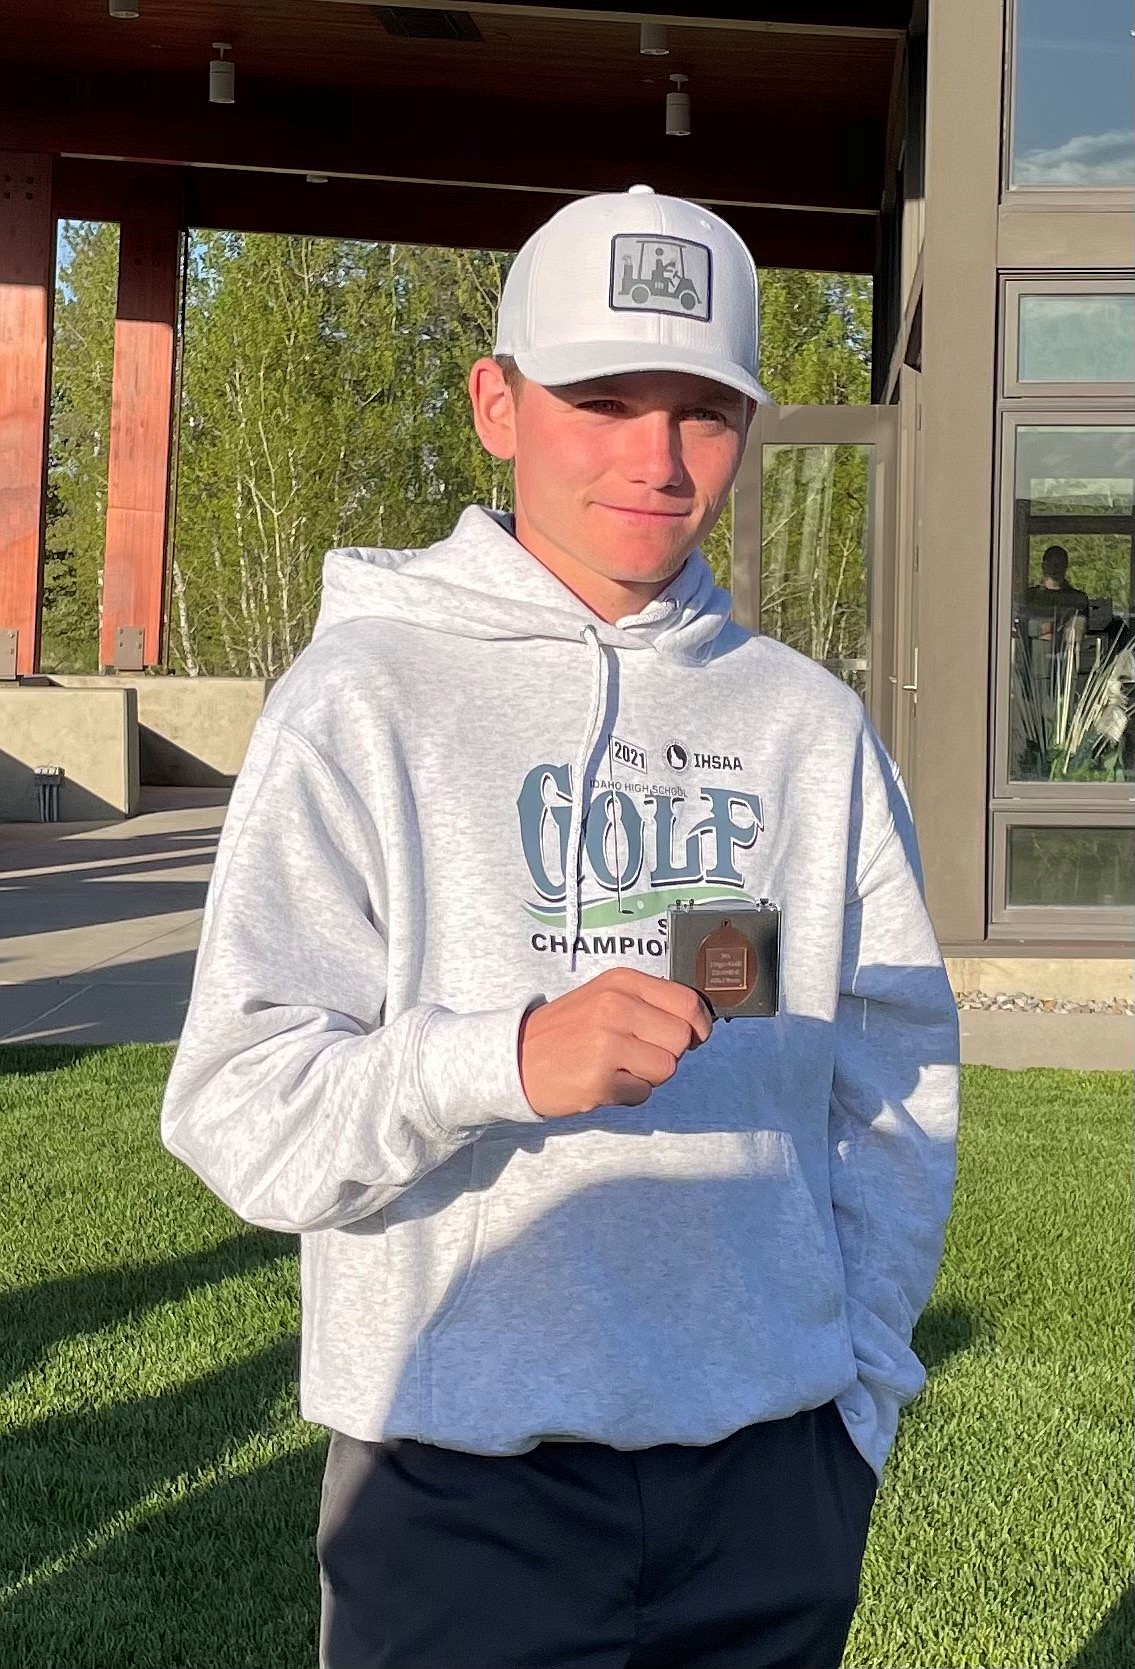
(1102, 197)
(1012, 292)
(1106, 923)
(1089, 797)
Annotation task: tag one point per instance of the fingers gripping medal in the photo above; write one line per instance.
(730, 954)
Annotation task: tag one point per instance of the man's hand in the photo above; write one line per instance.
(609, 1042)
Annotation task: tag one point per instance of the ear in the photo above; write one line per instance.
(494, 409)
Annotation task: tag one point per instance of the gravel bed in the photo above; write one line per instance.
(1018, 1000)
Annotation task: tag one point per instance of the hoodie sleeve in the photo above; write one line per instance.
(288, 1094)
(894, 1106)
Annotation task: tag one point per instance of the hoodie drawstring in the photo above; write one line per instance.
(601, 674)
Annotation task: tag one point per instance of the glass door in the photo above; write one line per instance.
(814, 542)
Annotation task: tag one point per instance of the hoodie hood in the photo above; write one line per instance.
(481, 582)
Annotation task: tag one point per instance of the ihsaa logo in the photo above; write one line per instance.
(660, 275)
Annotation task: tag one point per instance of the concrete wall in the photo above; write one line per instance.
(92, 734)
(1074, 979)
(192, 732)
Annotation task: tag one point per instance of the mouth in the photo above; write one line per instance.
(644, 518)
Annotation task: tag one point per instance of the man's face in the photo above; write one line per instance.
(626, 474)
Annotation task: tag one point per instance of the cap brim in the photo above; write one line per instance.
(580, 362)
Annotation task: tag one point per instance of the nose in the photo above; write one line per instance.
(653, 455)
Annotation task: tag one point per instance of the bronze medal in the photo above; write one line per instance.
(725, 968)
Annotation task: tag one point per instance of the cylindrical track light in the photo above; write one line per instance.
(222, 76)
(124, 8)
(653, 40)
(678, 110)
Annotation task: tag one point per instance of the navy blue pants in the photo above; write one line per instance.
(742, 1554)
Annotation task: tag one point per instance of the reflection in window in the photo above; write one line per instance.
(1072, 103)
(1072, 649)
(1072, 868)
(1076, 338)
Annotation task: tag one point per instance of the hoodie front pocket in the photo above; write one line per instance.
(616, 1271)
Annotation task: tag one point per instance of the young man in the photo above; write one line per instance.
(608, 1308)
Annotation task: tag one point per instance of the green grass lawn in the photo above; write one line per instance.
(159, 1490)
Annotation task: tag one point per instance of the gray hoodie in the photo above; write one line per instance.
(469, 794)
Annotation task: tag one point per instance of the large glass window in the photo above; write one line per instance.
(1072, 95)
(1072, 650)
(1069, 338)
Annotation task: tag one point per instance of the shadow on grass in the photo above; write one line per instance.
(223, 1577)
(34, 1318)
(1112, 1646)
(946, 1330)
(29, 1059)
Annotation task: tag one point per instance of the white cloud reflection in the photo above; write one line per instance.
(1087, 159)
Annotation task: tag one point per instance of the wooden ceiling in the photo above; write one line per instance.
(549, 58)
(790, 109)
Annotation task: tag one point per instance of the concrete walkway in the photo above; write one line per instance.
(99, 922)
(99, 925)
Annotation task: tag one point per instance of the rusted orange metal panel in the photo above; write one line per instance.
(26, 265)
(141, 414)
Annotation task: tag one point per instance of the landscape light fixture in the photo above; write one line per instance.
(678, 110)
(316, 179)
(222, 76)
(653, 40)
(124, 8)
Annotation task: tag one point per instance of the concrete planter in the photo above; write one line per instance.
(192, 732)
(92, 734)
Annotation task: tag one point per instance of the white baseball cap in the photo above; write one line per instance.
(632, 281)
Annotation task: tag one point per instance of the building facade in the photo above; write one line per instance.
(977, 157)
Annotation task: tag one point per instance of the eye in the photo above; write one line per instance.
(600, 405)
(705, 414)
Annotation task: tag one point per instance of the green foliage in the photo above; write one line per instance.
(79, 444)
(816, 338)
(324, 403)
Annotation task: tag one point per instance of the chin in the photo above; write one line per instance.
(646, 547)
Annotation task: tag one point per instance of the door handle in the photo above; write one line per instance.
(914, 686)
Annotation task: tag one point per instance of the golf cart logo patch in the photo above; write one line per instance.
(660, 275)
